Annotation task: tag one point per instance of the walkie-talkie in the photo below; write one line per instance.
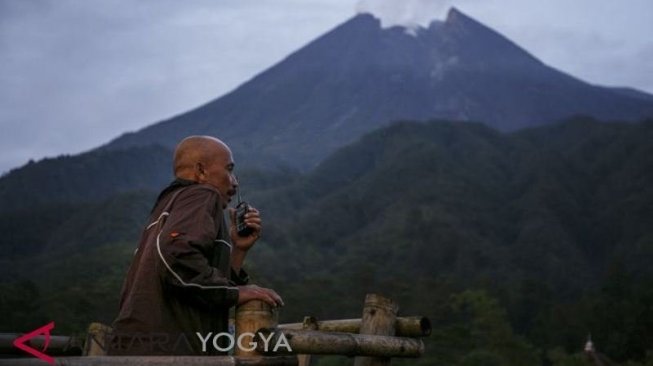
(241, 209)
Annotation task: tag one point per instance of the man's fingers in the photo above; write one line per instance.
(275, 296)
(270, 300)
(255, 227)
(253, 221)
(277, 299)
(265, 296)
(252, 216)
(271, 297)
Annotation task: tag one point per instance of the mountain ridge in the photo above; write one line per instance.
(349, 57)
(542, 218)
(354, 79)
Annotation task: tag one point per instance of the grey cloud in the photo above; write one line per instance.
(409, 12)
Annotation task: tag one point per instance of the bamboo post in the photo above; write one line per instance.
(96, 339)
(412, 326)
(250, 317)
(379, 317)
(309, 324)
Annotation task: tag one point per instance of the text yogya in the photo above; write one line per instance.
(244, 342)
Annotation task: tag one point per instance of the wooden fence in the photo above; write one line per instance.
(374, 339)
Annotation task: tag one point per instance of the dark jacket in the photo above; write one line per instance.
(180, 281)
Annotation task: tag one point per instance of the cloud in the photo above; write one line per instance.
(408, 13)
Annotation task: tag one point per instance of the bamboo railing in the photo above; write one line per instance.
(374, 339)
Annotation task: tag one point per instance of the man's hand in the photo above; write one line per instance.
(253, 292)
(253, 221)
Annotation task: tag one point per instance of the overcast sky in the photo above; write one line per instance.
(76, 73)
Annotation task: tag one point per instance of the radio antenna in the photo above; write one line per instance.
(238, 191)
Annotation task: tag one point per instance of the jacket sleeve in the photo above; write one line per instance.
(184, 244)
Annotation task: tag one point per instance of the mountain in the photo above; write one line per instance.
(348, 82)
(360, 76)
(633, 93)
(553, 221)
(88, 177)
(557, 203)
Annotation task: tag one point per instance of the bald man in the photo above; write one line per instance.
(187, 271)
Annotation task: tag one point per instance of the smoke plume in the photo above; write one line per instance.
(407, 13)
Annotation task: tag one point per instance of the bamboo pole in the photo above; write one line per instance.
(96, 337)
(308, 324)
(379, 317)
(156, 361)
(250, 317)
(59, 345)
(412, 326)
(330, 343)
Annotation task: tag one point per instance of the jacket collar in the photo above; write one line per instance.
(173, 186)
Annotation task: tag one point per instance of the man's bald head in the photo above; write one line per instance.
(205, 159)
(194, 150)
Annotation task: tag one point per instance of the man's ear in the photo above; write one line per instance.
(200, 173)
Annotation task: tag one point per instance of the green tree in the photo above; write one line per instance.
(478, 333)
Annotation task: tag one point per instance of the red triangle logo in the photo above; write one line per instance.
(45, 330)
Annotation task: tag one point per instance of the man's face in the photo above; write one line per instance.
(219, 174)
